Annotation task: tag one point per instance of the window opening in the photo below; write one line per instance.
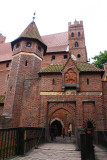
(76, 44)
(17, 45)
(78, 56)
(72, 34)
(26, 63)
(28, 44)
(87, 81)
(53, 57)
(7, 65)
(79, 34)
(10, 88)
(65, 56)
(53, 81)
(39, 48)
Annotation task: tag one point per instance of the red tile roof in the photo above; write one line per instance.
(56, 42)
(5, 52)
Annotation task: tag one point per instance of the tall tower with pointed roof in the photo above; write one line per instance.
(28, 50)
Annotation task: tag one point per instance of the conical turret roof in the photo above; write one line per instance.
(31, 32)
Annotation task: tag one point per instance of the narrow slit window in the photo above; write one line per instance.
(7, 65)
(87, 81)
(53, 81)
(10, 88)
(26, 63)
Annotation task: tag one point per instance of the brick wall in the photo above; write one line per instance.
(74, 104)
(105, 100)
(59, 58)
(95, 83)
(4, 75)
(20, 70)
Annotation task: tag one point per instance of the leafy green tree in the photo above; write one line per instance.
(100, 59)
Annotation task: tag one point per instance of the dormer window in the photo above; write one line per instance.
(39, 48)
(28, 44)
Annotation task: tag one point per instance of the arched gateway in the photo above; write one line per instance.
(61, 115)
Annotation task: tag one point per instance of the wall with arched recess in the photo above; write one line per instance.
(65, 112)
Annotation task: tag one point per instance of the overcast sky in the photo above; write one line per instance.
(52, 16)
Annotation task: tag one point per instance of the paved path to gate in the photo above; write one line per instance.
(60, 150)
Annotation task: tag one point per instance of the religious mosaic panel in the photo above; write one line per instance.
(70, 76)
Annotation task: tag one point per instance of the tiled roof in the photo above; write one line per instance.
(5, 52)
(82, 67)
(2, 98)
(86, 67)
(53, 68)
(31, 32)
(56, 42)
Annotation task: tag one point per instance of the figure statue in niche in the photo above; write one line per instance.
(70, 76)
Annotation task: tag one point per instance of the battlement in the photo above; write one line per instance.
(75, 24)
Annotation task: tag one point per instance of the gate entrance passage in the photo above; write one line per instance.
(57, 124)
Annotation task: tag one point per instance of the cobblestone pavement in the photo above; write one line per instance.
(60, 150)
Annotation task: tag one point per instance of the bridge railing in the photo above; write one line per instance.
(17, 141)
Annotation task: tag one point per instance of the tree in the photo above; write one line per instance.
(100, 59)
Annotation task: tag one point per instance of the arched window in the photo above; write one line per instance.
(76, 44)
(78, 56)
(72, 34)
(79, 34)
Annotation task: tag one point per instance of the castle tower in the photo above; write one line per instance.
(28, 50)
(76, 40)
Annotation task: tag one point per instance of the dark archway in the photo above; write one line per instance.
(89, 124)
(58, 125)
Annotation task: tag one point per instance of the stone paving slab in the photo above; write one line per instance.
(60, 149)
(53, 151)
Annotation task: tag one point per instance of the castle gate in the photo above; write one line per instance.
(61, 114)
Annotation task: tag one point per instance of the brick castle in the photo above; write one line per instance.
(46, 80)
